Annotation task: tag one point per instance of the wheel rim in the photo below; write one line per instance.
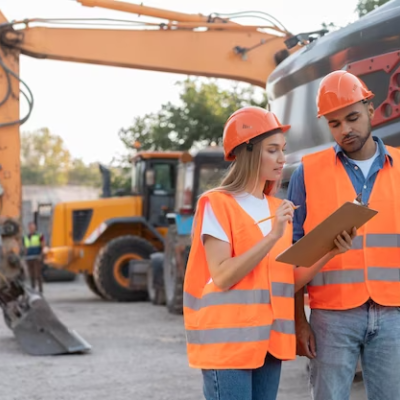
(121, 269)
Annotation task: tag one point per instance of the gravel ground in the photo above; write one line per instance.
(138, 353)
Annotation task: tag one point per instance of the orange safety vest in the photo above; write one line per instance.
(371, 269)
(234, 329)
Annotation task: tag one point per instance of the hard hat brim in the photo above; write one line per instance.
(281, 129)
(369, 97)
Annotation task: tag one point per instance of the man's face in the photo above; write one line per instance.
(351, 126)
(32, 228)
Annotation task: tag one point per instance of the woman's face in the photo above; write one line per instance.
(272, 157)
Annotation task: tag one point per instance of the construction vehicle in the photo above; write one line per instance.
(42, 219)
(106, 234)
(196, 174)
(86, 237)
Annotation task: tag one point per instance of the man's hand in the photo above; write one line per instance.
(305, 340)
(343, 242)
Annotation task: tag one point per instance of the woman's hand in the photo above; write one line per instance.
(283, 216)
(343, 242)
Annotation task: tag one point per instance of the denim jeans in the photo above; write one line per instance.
(243, 384)
(371, 332)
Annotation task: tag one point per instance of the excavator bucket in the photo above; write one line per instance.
(38, 330)
(35, 326)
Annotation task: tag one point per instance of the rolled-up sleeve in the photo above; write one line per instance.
(297, 195)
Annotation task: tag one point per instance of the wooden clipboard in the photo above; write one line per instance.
(319, 241)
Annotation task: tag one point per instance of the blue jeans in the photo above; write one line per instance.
(243, 384)
(371, 332)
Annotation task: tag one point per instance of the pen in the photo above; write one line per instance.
(272, 216)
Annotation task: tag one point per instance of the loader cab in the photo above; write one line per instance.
(154, 179)
(197, 174)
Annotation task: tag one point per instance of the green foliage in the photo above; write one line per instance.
(121, 169)
(83, 174)
(366, 6)
(46, 161)
(198, 119)
(44, 158)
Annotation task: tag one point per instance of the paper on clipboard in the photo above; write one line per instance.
(319, 241)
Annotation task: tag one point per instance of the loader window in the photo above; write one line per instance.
(164, 177)
(138, 177)
(184, 189)
(162, 194)
(210, 176)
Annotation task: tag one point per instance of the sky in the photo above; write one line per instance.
(88, 104)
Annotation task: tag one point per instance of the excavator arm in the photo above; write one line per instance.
(213, 46)
(219, 49)
(213, 53)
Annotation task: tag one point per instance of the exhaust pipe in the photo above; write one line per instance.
(106, 180)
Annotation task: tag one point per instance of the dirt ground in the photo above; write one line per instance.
(138, 352)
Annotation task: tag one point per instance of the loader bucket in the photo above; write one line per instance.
(39, 332)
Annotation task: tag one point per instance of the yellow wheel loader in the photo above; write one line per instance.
(100, 238)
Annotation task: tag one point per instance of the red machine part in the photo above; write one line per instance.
(389, 109)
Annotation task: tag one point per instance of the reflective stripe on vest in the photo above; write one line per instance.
(255, 296)
(236, 328)
(356, 276)
(371, 269)
(235, 335)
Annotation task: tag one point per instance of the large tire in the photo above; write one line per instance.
(57, 275)
(155, 279)
(111, 269)
(91, 284)
(173, 279)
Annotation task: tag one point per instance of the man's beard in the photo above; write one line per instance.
(358, 143)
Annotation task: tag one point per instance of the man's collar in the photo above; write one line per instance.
(383, 151)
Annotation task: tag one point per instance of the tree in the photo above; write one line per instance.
(121, 168)
(366, 6)
(83, 174)
(198, 119)
(44, 158)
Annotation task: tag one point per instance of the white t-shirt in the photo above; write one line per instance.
(258, 209)
(365, 165)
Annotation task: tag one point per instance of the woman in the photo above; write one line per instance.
(238, 301)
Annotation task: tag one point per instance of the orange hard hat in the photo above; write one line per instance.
(340, 89)
(247, 124)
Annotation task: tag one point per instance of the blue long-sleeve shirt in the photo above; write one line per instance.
(297, 192)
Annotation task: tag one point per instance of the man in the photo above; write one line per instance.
(34, 243)
(355, 299)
